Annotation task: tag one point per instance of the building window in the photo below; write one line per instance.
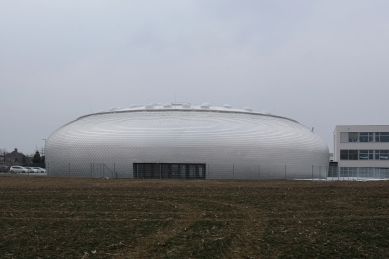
(349, 154)
(349, 172)
(353, 155)
(364, 172)
(382, 154)
(353, 137)
(344, 154)
(366, 154)
(366, 137)
(382, 136)
(343, 171)
(343, 137)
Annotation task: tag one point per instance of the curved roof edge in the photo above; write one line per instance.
(193, 109)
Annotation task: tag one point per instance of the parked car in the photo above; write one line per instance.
(29, 169)
(33, 170)
(18, 169)
(39, 170)
(4, 169)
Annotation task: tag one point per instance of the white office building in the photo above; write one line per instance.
(362, 151)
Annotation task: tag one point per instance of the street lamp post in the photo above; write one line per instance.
(44, 151)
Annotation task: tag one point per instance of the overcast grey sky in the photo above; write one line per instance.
(322, 63)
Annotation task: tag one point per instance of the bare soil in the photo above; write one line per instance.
(44, 217)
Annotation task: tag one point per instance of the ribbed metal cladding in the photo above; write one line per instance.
(237, 145)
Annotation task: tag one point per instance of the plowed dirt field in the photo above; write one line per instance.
(44, 217)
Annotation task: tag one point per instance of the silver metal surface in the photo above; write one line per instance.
(255, 145)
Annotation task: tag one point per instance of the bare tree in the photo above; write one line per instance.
(3, 152)
(37, 158)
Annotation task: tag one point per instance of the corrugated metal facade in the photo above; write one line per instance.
(249, 143)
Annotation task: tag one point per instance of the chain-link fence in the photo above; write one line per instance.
(213, 171)
(357, 173)
(190, 171)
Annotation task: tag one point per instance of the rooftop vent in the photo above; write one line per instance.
(179, 103)
(132, 106)
(205, 105)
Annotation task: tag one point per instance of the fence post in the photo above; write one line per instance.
(285, 172)
(233, 172)
(312, 173)
(319, 172)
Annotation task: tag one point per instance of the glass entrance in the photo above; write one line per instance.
(169, 171)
